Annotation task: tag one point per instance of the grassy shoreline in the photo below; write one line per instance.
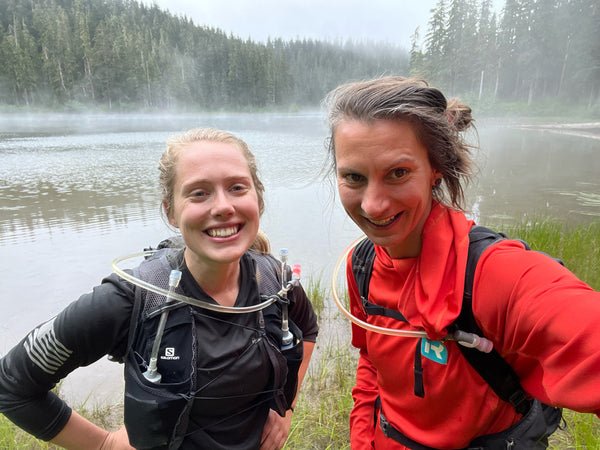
(321, 417)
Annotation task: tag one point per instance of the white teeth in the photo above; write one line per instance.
(222, 232)
(382, 222)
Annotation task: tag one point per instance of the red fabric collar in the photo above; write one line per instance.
(435, 283)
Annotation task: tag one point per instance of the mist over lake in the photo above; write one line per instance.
(77, 191)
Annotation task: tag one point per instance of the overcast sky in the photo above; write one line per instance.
(392, 21)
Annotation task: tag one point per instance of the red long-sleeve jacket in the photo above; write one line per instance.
(541, 318)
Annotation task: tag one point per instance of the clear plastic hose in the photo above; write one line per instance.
(183, 298)
(462, 337)
(152, 373)
(354, 319)
(287, 336)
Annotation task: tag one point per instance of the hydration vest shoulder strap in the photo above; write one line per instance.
(268, 273)
(363, 257)
(495, 371)
(135, 313)
(139, 312)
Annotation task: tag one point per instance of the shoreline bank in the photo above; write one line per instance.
(589, 130)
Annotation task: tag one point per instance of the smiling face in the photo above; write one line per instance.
(215, 204)
(385, 182)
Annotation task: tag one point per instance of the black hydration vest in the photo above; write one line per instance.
(157, 415)
(539, 420)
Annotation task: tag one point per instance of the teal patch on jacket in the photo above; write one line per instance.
(434, 350)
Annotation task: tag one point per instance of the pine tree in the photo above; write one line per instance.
(435, 41)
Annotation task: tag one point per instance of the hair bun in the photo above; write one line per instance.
(459, 114)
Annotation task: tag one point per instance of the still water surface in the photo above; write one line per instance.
(76, 191)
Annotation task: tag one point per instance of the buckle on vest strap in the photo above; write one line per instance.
(520, 402)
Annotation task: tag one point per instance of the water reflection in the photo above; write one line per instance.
(29, 208)
(76, 182)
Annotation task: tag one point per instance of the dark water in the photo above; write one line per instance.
(77, 191)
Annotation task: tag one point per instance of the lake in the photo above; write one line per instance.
(77, 191)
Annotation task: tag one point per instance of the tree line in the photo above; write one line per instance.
(532, 50)
(120, 54)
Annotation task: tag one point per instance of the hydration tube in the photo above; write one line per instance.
(152, 373)
(462, 337)
(354, 319)
(287, 339)
(183, 298)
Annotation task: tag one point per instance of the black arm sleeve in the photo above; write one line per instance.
(89, 328)
(303, 314)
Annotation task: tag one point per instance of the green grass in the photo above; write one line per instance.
(581, 431)
(322, 413)
(577, 246)
(317, 292)
(321, 418)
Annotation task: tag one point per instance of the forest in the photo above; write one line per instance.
(122, 55)
(534, 50)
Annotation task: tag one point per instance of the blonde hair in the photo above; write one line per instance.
(261, 244)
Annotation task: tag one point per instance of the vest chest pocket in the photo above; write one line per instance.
(175, 355)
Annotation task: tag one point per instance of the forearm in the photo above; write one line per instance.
(308, 348)
(364, 394)
(544, 321)
(277, 428)
(80, 433)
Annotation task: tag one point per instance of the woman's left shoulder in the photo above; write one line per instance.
(513, 257)
(261, 258)
(508, 275)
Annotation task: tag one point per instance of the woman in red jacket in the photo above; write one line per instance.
(401, 165)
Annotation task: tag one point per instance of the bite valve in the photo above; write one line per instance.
(472, 340)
